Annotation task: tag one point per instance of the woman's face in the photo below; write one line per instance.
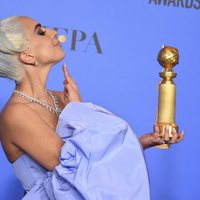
(42, 42)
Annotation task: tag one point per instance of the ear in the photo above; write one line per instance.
(27, 58)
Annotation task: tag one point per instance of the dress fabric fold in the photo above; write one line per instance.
(101, 159)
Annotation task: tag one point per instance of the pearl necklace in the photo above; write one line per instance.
(56, 109)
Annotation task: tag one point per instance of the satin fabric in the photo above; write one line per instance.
(101, 159)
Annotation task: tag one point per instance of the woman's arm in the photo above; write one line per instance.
(29, 132)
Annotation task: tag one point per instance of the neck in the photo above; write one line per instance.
(34, 83)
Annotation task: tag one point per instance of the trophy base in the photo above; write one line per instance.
(163, 146)
(162, 131)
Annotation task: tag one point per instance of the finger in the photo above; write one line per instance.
(69, 90)
(64, 82)
(174, 136)
(156, 135)
(73, 83)
(65, 91)
(156, 129)
(72, 95)
(65, 71)
(166, 133)
(65, 94)
(181, 136)
(161, 141)
(68, 78)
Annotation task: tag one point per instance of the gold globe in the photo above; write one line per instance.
(168, 57)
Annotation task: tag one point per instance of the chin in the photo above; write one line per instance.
(61, 57)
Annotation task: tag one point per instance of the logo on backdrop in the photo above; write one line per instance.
(177, 3)
(81, 41)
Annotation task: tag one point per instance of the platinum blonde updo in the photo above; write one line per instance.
(12, 42)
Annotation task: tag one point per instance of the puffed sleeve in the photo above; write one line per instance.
(101, 158)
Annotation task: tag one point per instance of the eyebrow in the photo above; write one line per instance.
(36, 26)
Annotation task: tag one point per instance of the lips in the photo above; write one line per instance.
(57, 43)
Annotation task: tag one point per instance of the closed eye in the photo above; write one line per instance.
(41, 32)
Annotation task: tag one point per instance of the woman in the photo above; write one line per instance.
(87, 152)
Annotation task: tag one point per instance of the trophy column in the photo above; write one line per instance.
(168, 57)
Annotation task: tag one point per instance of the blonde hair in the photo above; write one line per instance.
(12, 42)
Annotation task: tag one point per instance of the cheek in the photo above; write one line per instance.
(43, 49)
(46, 52)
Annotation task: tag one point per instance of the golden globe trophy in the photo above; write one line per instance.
(168, 57)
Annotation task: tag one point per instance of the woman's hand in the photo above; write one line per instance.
(71, 92)
(153, 139)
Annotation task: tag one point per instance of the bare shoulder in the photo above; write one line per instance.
(28, 131)
(15, 117)
(14, 112)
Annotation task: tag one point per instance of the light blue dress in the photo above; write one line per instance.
(101, 160)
